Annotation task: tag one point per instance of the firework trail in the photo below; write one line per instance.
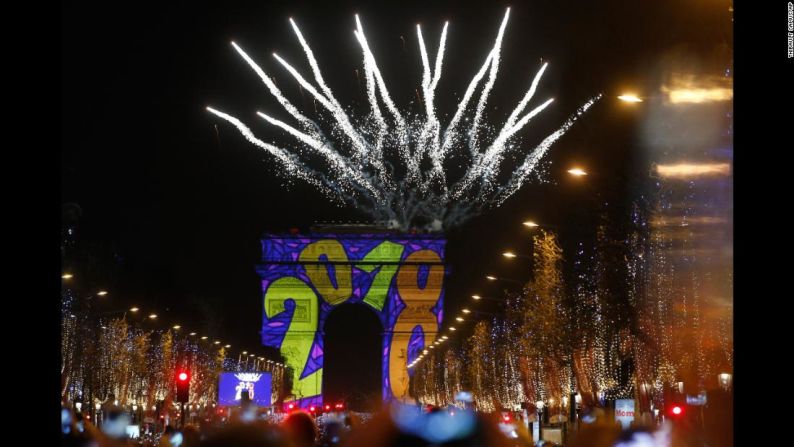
(393, 163)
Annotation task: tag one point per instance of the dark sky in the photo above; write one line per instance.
(185, 209)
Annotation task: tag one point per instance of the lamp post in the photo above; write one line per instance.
(499, 278)
(539, 405)
(725, 381)
(98, 408)
(511, 254)
(486, 298)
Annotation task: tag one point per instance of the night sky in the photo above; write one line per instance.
(184, 206)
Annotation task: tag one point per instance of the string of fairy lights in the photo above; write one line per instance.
(154, 317)
(667, 292)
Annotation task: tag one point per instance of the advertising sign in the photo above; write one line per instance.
(624, 412)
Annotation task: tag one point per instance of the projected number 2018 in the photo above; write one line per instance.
(305, 278)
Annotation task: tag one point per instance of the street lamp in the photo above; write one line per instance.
(134, 309)
(725, 380)
(511, 255)
(629, 97)
(152, 316)
(539, 405)
(530, 224)
(480, 298)
(500, 278)
(67, 276)
(577, 172)
(466, 311)
(102, 292)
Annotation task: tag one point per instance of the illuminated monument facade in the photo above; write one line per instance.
(397, 276)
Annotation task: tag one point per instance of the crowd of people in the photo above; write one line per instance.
(397, 425)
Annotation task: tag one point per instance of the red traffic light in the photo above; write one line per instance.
(183, 386)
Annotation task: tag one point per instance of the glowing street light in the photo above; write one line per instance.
(177, 327)
(459, 318)
(228, 346)
(102, 292)
(511, 255)
(629, 97)
(689, 170)
(578, 172)
(217, 342)
(452, 328)
(134, 309)
(494, 278)
(192, 334)
(204, 337)
(725, 380)
(153, 316)
(67, 276)
(466, 311)
(530, 224)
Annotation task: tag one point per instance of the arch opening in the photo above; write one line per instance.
(352, 365)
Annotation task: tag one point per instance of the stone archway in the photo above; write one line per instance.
(304, 278)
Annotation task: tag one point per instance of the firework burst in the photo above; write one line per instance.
(391, 164)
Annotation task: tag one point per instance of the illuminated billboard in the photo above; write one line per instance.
(231, 385)
(398, 276)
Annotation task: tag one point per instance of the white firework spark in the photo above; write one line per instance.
(382, 172)
(248, 377)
